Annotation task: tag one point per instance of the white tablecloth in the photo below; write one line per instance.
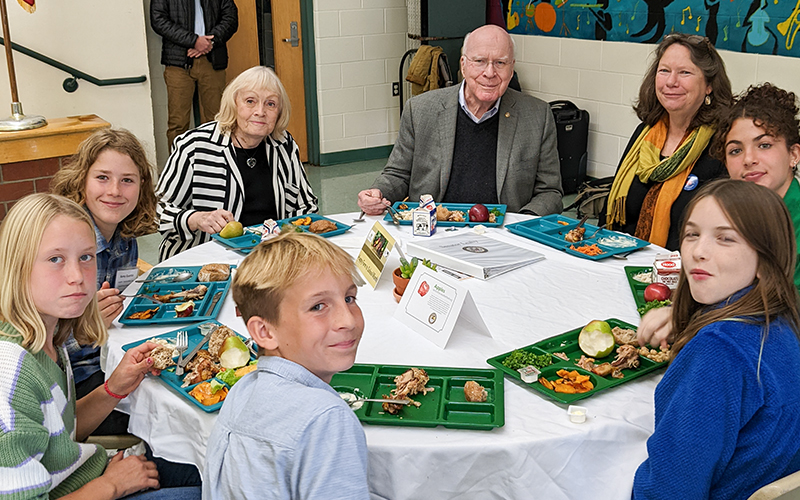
(537, 454)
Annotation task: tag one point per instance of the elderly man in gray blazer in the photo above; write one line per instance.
(479, 142)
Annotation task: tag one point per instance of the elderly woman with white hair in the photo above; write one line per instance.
(244, 166)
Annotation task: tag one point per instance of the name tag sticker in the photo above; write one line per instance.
(125, 277)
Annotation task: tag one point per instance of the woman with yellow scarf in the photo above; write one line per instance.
(667, 157)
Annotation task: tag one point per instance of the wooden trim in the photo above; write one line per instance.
(60, 137)
(352, 155)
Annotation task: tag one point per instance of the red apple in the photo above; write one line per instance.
(478, 213)
(656, 291)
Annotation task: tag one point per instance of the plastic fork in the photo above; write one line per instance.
(360, 217)
(181, 344)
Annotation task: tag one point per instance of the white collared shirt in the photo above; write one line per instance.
(462, 101)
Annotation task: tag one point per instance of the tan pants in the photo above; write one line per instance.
(180, 90)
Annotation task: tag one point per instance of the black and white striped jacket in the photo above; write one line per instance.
(201, 175)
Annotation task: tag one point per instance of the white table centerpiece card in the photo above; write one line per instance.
(371, 260)
(433, 303)
(474, 254)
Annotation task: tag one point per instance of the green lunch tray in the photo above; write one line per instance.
(551, 229)
(165, 315)
(568, 344)
(464, 207)
(245, 243)
(445, 406)
(637, 287)
(173, 381)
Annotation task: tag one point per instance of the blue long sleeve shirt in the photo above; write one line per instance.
(724, 426)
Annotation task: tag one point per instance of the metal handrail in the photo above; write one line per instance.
(71, 84)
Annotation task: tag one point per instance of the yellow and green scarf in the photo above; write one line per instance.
(644, 161)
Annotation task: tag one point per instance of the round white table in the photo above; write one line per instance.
(539, 453)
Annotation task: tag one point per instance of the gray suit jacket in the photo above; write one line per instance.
(528, 170)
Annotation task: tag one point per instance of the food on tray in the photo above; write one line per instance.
(214, 272)
(479, 213)
(196, 293)
(596, 339)
(443, 214)
(409, 383)
(474, 392)
(653, 305)
(184, 310)
(624, 336)
(519, 359)
(603, 369)
(217, 339)
(162, 357)
(201, 368)
(561, 355)
(562, 222)
(627, 357)
(402, 206)
(657, 291)
(322, 226)
(617, 241)
(209, 393)
(575, 235)
(653, 355)
(571, 382)
(232, 229)
(146, 314)
(230, 377)
(233, 353)
(302, 221)
(643, 277)
(590, 250)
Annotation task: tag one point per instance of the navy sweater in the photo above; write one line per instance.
(720, 432)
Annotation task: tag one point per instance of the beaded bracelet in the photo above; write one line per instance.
(113, 395)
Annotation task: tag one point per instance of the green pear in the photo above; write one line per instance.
(232, 229)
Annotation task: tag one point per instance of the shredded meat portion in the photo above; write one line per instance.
(627, 357)
(408, 383)
(202, 368)
(624, 336)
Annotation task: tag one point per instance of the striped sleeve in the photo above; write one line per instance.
(296, 196)
(37, 453)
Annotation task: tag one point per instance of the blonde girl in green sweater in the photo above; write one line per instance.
(47, 252)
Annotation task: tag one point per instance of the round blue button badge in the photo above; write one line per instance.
(691, 183)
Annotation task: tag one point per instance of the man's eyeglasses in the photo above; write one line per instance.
(499, 65)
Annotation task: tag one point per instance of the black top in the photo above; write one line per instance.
(473, 174)
(705, 169)
(259, 195)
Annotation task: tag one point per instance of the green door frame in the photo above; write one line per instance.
(310, 79)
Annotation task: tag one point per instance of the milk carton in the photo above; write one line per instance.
(424, 217)
(667, 269)
(269, 230)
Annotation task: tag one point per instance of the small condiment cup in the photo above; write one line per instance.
(577, 414)
(529, 374)
(205, 328)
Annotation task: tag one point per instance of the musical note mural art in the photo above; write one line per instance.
(768, 27)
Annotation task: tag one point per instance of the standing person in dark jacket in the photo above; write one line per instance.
(193, 51)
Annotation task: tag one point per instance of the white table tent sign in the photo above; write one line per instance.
(433, 303)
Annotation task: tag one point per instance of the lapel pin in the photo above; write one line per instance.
(508, 115)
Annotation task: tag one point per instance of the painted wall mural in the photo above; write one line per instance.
(754, 26)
